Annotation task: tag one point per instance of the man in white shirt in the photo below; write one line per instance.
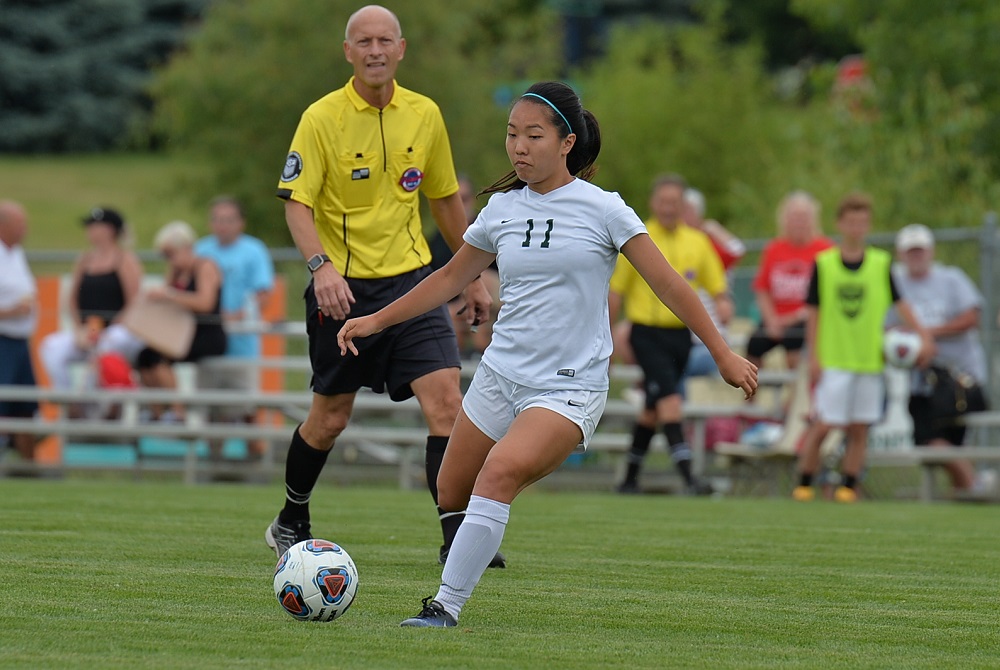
(18, 318)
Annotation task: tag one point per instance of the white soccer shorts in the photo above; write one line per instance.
(842, 398)
(493, 401)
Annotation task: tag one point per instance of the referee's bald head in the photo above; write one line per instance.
(371, 11)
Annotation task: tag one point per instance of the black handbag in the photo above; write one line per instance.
(953, 393)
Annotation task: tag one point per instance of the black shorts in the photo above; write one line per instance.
(15, 369)
(662, 353)
(926, 428)
(793, 339)
(388, 360)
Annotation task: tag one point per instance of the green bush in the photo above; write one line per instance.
(231, 103)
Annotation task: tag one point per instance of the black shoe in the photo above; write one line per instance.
(498, 561)
(280, 536)
(628, 487)
(700, 488)
(431, 616)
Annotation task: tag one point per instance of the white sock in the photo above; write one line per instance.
(475, 545)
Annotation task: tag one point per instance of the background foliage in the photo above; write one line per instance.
(232, 101)
(73, 72)
(740, 97)
(685, 96)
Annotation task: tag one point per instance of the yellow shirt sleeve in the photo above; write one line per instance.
(305, 167)
(712, 270)
(440, 180)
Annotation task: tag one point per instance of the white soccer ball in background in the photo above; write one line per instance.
(315, 580)
(901, 348)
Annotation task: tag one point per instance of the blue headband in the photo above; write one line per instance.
(547, 102)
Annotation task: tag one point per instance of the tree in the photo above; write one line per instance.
(231, 102)
(914, 46)
(72, 73)
(677, 99)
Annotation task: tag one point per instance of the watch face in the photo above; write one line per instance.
(316, 262)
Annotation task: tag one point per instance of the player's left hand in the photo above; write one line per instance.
(739, 372)
(477, 303)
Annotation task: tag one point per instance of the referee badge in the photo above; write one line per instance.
(293, 167)
(410, 181)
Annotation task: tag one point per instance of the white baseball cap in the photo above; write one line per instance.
(914, 236)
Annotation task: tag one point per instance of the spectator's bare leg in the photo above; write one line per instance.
(961, 473)
(857, 445)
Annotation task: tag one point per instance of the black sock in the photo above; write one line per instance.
(302, 468)
(433, 455)
(805, 479)
(850, 481)
(641, 437)
(680, 452)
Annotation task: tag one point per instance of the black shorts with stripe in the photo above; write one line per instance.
(389, 360)
(662, 353)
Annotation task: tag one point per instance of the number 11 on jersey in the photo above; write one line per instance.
(531, 227)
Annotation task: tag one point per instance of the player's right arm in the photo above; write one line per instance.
(435, 289)
(333, 295)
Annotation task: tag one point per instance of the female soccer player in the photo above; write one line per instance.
(542, 384)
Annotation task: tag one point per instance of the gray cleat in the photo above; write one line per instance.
(431, 616)
(280, 536)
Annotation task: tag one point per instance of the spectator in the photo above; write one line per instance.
(18, 318)
(351, 182)
(730, 250)
(542, 385)
(106, 279)
(247, 280)
(729, 247)
(782, 280)
(192, 283)
(946, 302)
(721, 308)
(471, 339)
(849, 295)
(659, 339)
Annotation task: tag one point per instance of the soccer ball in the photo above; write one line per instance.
(901, 348)
(315, 580)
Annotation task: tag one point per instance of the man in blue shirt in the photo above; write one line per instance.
(247, 279)
(247, 272)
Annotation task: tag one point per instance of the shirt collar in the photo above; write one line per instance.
(361, 104)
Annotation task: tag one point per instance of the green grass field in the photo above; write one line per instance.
(117, 574)
(58, 191)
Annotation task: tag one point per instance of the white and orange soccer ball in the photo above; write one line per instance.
(315, 580)
(901, 348)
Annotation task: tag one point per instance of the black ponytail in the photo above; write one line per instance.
(568, 116)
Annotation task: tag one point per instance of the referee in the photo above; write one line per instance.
(350, 182)
(660, 340)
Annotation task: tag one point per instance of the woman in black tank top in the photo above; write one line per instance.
(192, 283)
(105, 279)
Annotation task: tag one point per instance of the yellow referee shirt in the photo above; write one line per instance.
(690, 253)
(359, 169)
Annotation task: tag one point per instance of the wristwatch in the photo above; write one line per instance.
(316, 262)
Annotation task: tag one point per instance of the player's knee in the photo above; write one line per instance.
(450, 498)
(324, 427)
(499, 480)
(442, 412)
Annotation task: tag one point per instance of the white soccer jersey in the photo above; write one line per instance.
(556, 253)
